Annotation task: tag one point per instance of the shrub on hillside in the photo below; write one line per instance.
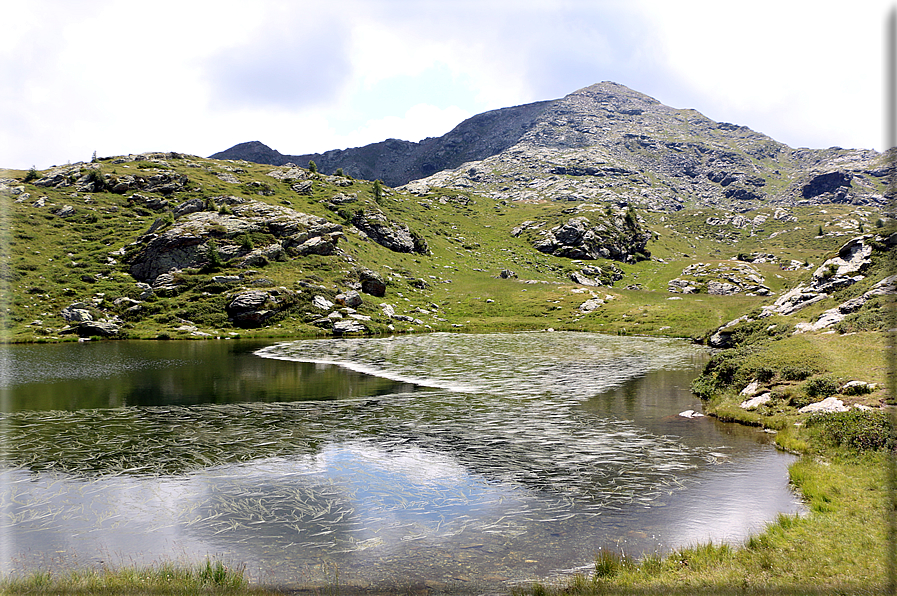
(858, 430)
(821, 387)
(797, 372)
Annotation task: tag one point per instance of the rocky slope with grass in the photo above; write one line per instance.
(171, 245)
(608, 143)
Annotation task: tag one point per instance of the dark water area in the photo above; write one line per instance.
(157, 373)
(460, 462)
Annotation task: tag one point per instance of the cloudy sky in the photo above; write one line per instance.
(196, 76)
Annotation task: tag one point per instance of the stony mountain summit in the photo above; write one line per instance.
(608, 143)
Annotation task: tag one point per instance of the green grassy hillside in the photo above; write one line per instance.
(69, 246)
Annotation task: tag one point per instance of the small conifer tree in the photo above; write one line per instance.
(214, 257)
(378, 191)
(312, 167)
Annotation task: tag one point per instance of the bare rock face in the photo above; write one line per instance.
(834, 274)
(595, 234)
(185, 244)
(609, 143)
(578, 238)
(729, 278)
(395, 236)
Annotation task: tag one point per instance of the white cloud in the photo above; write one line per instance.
(418, 122)
(201, 76)
(805, 73)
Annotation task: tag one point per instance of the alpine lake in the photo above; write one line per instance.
(453, 462)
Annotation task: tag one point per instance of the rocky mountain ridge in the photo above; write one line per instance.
(609, 144)
(397, 162)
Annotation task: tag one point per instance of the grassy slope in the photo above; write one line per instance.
(56, 261)
(838, 546)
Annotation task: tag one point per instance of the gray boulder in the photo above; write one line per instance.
(191, 206)
(303, 188)
(318, 245)
(829, 404)
(322, 303)
(76, 313)
(591, 305)
(372, 283)
(254, 308)
(721, 288)
(396, 237)
(343, 326)
(97, 328)
(262, 256)
(583, 280)
(681, 286)
(352, 299)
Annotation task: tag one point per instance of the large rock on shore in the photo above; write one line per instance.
(255, 307)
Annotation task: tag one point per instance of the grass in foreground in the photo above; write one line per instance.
(164, 579)
(839, 547)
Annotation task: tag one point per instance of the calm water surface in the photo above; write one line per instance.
(445, 460)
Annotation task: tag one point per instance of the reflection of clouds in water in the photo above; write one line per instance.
(526, 467)
(396, 463)
(728, 502)
(105, 520)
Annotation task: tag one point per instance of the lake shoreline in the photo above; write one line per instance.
(620, 396)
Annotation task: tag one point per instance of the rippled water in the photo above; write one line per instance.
(487, 460)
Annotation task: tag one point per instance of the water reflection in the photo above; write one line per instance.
(529, 453)
(153, 373)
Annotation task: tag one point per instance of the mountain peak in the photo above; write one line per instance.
(254, 151)
(604, 143)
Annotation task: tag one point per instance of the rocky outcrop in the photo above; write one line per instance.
(397, 237)
(255, 308)
(186, 242)
(721, 278)
(833, 316)
(92, 180)
(834, 274)
(600, 235)
(722, 337)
